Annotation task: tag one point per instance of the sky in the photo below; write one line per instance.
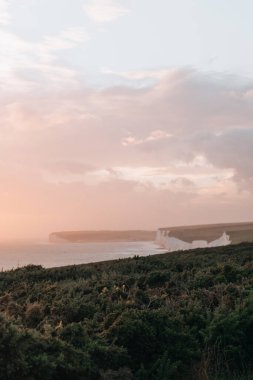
(133, 114)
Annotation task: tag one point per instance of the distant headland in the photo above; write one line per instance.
(101, 236)
(169, 238)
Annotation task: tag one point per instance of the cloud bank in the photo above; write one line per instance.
(179, 151)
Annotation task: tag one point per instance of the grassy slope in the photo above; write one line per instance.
(184, 315)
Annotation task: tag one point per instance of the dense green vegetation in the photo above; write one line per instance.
(184, 315)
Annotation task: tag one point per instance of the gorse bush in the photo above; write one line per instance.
(185, 315)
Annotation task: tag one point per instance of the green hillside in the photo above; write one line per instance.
(185, 315)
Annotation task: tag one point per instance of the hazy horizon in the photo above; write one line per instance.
(119, 115)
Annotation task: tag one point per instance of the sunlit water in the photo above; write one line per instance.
(56, 255)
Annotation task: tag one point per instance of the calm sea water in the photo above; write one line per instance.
(55, 255)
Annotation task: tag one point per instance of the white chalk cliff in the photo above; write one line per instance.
(171, 243)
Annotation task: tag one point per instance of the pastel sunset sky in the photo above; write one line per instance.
(124, 114)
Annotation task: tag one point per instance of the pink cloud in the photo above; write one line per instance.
(177, 152)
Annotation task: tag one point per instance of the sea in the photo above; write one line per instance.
(15, 255)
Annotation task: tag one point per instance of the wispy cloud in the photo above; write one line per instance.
(139, 74)
(27, 63)
(104, 10)
(66, 39)
(4, 12)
